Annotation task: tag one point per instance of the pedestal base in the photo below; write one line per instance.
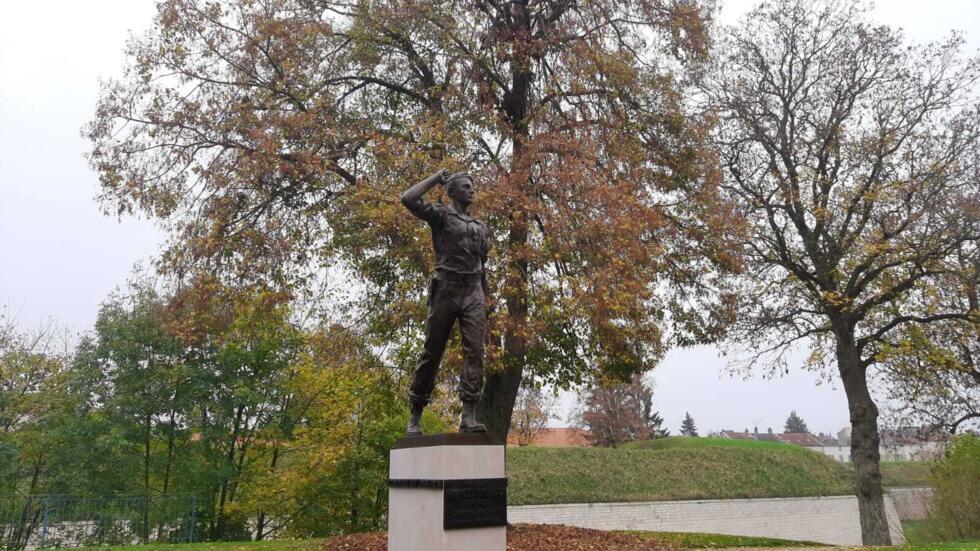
(447, 492)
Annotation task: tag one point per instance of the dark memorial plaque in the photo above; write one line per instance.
(475, 503)
(469, 503)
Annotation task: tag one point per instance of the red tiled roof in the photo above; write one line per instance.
(914, 435)
(564, 437)
(738, 435)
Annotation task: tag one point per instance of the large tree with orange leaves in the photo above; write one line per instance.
(275, 136)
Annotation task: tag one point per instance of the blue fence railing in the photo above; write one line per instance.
(38, 522)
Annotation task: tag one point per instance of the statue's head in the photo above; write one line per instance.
(459, 186)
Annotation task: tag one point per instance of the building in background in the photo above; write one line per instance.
(913, 444)
(907, 444)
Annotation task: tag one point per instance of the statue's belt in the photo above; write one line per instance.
(458, 278)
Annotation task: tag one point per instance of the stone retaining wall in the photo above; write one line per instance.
(831, 520)
(912, 503)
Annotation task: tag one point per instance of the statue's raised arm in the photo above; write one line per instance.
(413, 195)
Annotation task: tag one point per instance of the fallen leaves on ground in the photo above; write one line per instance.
(523, 537)
(555, 537)
(370, 541)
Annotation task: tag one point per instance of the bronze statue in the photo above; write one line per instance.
(456, 291)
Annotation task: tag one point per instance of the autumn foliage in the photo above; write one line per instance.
(274, 138)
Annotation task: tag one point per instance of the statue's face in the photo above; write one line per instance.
(461, 190)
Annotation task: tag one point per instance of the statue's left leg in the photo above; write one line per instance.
(472, 328)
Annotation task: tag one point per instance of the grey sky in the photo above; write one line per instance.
(60, 257)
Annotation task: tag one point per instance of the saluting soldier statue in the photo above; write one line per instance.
(456, 292)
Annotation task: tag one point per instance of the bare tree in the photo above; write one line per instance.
(613, 414)
(32, 361)
(854, 158)
(933, 376)
(532, 411)
(936, 401)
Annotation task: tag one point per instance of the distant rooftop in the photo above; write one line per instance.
(564, 437)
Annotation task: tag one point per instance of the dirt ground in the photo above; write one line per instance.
(522, 537)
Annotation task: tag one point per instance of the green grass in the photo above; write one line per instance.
(906, 474)
(678, 471)
(682, 442)
(690, 540)
(973, 545)
(917, 532)
(919, 535)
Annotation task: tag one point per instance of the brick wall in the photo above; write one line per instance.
(832, 520)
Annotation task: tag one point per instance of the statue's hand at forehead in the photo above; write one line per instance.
(443, 176)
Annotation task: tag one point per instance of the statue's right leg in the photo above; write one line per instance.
(438, 325)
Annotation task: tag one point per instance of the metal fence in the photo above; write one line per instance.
(37, 522)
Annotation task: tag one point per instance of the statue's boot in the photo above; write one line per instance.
(415, 420)
(468, 422)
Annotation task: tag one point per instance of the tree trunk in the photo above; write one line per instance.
(171, 447)
(222, 521)
(864, 440)
(500, 392)
(286, 431)
(170, 460)
(260, 525)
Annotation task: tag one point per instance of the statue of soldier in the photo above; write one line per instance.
(456, 292)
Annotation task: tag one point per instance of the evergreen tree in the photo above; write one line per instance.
(687, 426)
(795, 424)
(654, 422)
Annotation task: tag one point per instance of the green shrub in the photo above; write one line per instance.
(956, 509)
(904, 474)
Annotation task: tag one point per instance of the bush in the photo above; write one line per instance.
(956, 509)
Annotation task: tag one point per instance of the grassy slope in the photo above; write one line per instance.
(672, 469)
(680, 442)
(896, 474)
(685, 468)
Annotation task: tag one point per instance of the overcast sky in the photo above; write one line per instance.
(60, 257)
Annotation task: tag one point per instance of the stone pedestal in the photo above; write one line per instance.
(447, 492)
